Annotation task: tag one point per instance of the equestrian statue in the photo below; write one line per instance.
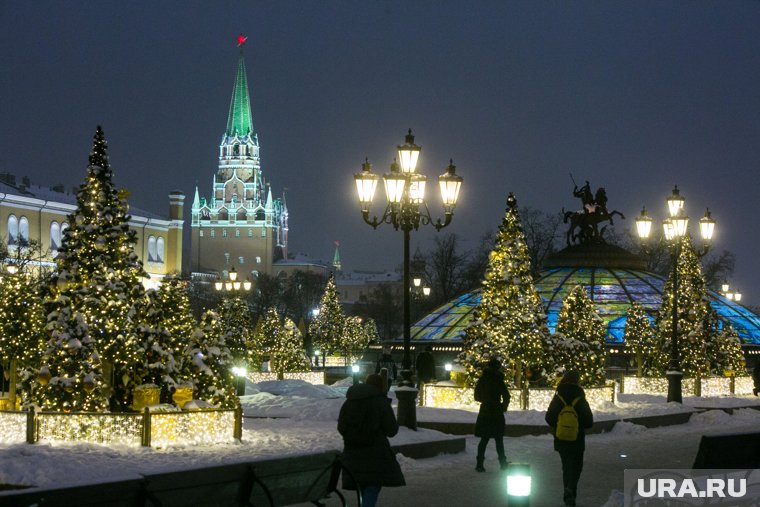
(584, 224)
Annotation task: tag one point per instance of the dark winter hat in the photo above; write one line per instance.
(571, 377)
(375, 380)
(494, 363)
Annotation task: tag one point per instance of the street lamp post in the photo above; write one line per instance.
(406, 209)
(674, 229)
(232, 284)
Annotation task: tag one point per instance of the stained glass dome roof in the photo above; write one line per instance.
(612, 290)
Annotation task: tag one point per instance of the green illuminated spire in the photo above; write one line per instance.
(239, 121)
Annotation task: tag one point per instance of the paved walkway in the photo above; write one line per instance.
(450, 480)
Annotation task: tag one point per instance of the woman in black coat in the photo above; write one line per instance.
(366, 421)
(493, 395)
(570, 452)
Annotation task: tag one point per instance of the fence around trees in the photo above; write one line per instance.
(146, 428)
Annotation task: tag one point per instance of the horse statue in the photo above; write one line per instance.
(584, 224)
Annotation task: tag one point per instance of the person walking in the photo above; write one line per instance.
(570, 398)
(493, 395)
(365, 422)
(386, 361)
(425, 366)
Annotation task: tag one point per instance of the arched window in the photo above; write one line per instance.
(152, 249)
(23, 231)
(160, 249)
(55, 237)
(12, 230)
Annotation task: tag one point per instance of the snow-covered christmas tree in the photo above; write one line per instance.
(579, 321)
(211, 363)
(172, 296)
(70, 378)
(157, 365)
(509, 323)
(22, 327)
(237, 328)
(99, 273)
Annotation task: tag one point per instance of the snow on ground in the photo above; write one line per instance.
(292, 417)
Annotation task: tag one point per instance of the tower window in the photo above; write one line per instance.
(226, 257)
(250, 233)
(237, 233)
(224, 233)
(263, 233)
(241, 261)
(258, 260)
(213, 233)
(200, 233)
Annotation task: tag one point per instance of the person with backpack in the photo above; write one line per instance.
(493, 395)
(365, 422)
(570, 415)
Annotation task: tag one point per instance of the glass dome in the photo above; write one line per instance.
(612, 290)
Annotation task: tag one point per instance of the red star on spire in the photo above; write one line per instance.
(241, 40)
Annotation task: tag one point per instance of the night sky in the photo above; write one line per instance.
(632, 96)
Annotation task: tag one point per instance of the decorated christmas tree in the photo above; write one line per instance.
(561, 354)
(356, 336)
(579, 321)
(172, 297)
(728, 358)
(22, 326)
(509, 323)
(211, 363)
(287, 353)
(692, 315)
(326, 329)
(70, 378)
(266, 336)
(237, 328)
(157, 364)
(639, 338)
(99, 273)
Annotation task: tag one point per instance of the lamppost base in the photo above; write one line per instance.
(406, 394)
(674, 385)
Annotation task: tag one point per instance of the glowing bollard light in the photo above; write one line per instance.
(447, 367)
(240, 374)
(355, 372)
(518, 485)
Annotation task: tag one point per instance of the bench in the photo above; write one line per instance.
(735, 450)
(299, 479)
